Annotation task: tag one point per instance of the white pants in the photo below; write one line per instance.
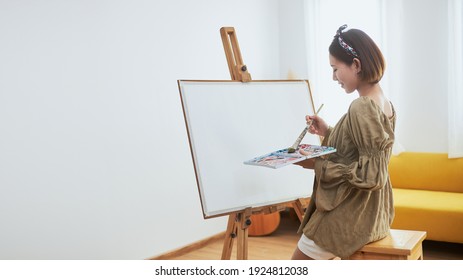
(309, 248)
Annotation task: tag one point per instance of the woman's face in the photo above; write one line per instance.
(345, 75)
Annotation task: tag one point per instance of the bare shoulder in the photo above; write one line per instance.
(384, 104)
(375, 103)
(387, 108)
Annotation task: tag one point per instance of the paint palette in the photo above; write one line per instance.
(282, 157)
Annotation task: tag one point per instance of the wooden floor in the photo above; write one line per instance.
(280, 246)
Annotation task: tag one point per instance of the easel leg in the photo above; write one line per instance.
(242, 253)
(230, 235)
(299, 205)
(243, 222)
(298, 209)
(237, 227)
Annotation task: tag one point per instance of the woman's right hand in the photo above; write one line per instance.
(316, 125)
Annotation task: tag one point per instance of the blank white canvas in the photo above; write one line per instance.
(229, 122)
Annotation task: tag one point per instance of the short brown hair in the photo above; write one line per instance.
(370, 56)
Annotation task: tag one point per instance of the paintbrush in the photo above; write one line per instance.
(293, 148)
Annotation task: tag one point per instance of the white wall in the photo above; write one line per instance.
(422, 102)
(293, 49)
(94, 156)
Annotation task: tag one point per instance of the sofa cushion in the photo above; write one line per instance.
(426, 171)
(440, 214)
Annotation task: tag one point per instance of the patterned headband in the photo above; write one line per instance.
(350, 50)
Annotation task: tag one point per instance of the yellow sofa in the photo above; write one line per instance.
(428, 194)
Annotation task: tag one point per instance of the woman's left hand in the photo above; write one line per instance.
(308, 163)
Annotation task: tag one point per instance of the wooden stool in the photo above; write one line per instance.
(398, 245)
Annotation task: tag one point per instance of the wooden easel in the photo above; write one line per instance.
(239, 222)
(238, 70)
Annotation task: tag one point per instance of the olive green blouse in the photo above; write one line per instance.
(352, 202)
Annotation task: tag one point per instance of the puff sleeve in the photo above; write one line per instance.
(372, 136)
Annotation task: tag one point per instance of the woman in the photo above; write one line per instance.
(351, 203)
